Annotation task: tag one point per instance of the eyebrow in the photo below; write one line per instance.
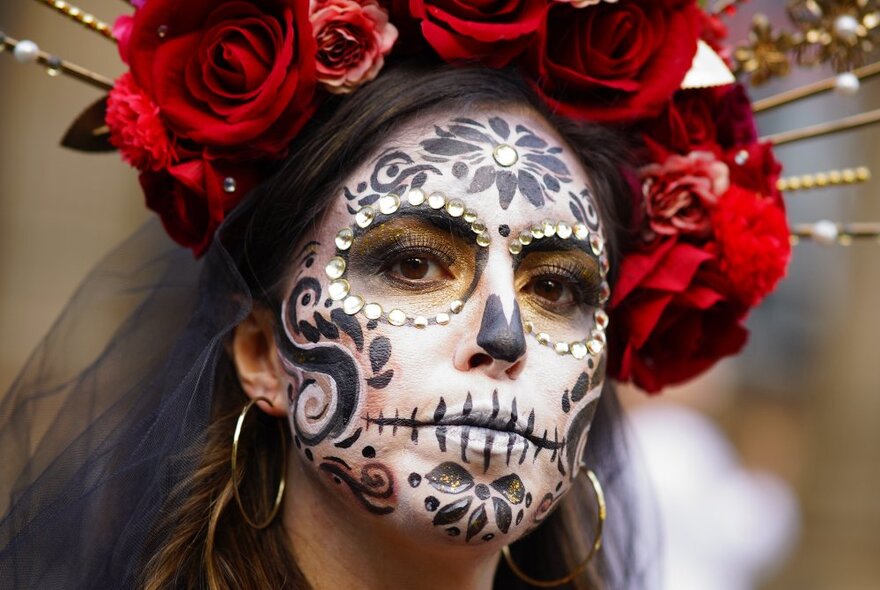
(555, 244)
(457, 226)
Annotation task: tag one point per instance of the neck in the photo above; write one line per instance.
(336, 545)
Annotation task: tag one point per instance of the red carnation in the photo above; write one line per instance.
(136, 128)
(753, 240)
(615, 62)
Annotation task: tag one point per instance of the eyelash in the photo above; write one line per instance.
(412, 246)
(585, 292)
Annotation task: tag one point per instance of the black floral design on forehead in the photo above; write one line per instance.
(512, 159)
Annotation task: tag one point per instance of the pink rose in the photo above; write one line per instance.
(680, 193)
(353, 37)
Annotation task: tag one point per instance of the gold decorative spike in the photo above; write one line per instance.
(828, 233)
(765, 54)
(84, 18)
(824, 179)
(845, 124)
(57, 65)
(784, 98)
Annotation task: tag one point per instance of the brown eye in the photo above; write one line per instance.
(548, 289)
(414, 268)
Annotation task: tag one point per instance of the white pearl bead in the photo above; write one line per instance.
(846, 26)
(825, 232)
(26, 52)
(846, 84)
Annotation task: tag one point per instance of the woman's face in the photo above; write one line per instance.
(443, 333)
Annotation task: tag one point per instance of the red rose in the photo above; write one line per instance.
(191, 198)
(353, 37)
(671, 317)
(681, 192)
(615, 62)
(227, 74)
(685, 124)
(492, 31)
(753, 241)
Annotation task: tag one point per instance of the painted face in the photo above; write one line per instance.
(443, 332)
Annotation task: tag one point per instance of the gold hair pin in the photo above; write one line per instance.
(27, 52)
(79, 16)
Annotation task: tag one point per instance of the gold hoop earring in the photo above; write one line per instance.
(597, 544)
(236, 482)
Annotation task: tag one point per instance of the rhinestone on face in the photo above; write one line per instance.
(578, 350)
(365, 216)
(542, 337)
(396, 317)
(599, 336)
(525, 238)
(505, 155)
(537, 232)
(594, 347)
(373, 311)
(470, 215)
(456, 306)
(563, 230)
(420, 322)
(442, 318)
(601, 318)
(604, 265)
(352, 304)
(581, 231)
(338, 289)
(344, 238)
(335, 268)
(604, 292)
(455, 207)
(389, 204)
(478, 227)
(597, 244)
(436, 200)
(515, 248)
(483, 239)
(415, 196)
(561, 348)
(548, 228)
(528, 327)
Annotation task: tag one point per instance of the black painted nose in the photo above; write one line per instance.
(501, 339)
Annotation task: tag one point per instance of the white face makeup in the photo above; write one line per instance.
(443, 333)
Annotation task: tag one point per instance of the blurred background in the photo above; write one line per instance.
(766, 469)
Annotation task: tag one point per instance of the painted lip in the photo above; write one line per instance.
(481, 421)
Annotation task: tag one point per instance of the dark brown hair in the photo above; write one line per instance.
(262, 236)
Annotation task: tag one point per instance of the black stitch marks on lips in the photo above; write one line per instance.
(536, 175)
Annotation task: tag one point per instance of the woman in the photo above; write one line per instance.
(413, 304)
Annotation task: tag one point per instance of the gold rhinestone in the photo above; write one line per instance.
(782, 184)
(525, 238)
(599, 335)
(455, 207)
(442, 318)
(581, 231)
(542, 337)
(389, 204)
(601, 318)
(373, 311)
(338, 289)
(537, 233)
(344, 238)
(563, 230)
(515, 248)
(821, 179)
(505, 155)
(436, 200)
(863, 173)
(807, 181)
(456, 306)
(420, 322)
(561, 348)
(794, 183)
(365, 216)
(834, 177)
(849, 176)
(604, 265)
(597, 244)
(578, 349)
(415, 196)
(594, 347)
(478, 227)
(528, 327)
(604, 292)
(483, 239)
(396, 317)
(470, 215)
(335, 268)
(352, 304)
(548, 228)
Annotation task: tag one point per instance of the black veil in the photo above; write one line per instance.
(94, 430)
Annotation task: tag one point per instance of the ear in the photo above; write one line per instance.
(256, 361)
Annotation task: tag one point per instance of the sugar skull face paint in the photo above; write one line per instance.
(443, 333)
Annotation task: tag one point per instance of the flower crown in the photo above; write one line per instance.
(217, 90)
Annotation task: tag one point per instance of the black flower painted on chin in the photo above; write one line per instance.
(513, 160)
(451, 478)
